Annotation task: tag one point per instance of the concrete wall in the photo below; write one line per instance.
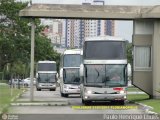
(142, 36)
(143, 80)
(156, 59)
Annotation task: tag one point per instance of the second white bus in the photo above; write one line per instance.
(69, 72)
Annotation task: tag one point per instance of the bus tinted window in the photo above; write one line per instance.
(46, 66)
(72, 60)
(104, 50)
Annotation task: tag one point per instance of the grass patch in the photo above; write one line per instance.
(144, 98)
(137, 97)
(155, 103)
(133, 89)
(3, 81)
(6, 95)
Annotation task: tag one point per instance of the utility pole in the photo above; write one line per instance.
(32, 59)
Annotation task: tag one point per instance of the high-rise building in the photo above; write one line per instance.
(77, 30)
(53, 30)
(71, 33)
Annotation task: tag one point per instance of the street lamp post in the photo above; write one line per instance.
(32, 59)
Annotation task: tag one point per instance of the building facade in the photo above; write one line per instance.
(71, 33)
(78, 30)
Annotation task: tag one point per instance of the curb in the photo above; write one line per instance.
(147, 108)
(41, 104)
(16, 97)
(13, 99)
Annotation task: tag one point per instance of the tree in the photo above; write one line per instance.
(15, 37)
(129, 52)
(11, 31)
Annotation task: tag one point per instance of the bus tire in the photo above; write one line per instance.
(52, 89)
(86, 102)
(65, 95)
(38, 89)
(62, 95)
(121, 102)
(83, 101)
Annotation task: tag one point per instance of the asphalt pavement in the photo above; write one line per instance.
(50, 102)
(49, 105)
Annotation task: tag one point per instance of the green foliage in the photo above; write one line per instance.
(15, 43)
(6, 96)
(144, 99)
(129, 52)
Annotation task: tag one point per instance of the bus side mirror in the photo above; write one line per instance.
(81, 70)
(57, 76)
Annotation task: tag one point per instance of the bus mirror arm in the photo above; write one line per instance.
(64, 73)
(86, 73)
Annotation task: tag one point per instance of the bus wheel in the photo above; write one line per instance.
(65, 95)
(86, 102)
(121, 102)
(52, 89)
(83, 101)
(38, 89)
(62, 95)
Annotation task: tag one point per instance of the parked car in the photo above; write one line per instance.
(16, 82)
(27, 81)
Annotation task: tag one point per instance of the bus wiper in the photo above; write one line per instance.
(97, 76)
(105, 80)
(97, 72)
(86, 72)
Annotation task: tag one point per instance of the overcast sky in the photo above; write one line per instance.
(109, 2)
(122, 28)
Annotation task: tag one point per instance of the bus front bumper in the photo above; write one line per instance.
(46, 86)
(71, 91)
(104, 97)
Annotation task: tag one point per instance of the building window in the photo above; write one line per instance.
(142, 57)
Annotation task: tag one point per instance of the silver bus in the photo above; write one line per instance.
(104, 70)
(46, 76)
(69, 72)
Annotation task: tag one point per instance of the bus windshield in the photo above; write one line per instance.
(46, 77)
(71, 76)
(105, 75)
(72, 60)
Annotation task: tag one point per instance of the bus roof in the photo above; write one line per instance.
(105, 38)
(46, 61)
(73, 51)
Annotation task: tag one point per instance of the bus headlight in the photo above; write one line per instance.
(65, 86)
(122, 92)
(89, 92)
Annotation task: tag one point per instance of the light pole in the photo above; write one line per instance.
(32, 59)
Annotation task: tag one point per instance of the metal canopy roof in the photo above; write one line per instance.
(90, 11)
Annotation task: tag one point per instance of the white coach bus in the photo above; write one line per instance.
(69, 72)
(104, 70)
(46, 76)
